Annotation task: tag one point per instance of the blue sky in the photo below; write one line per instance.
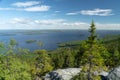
(59, 14)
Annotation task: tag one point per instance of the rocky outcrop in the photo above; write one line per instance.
(114, 74)
(62, 74)
(67, 74)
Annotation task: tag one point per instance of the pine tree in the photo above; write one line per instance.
(91, 59)
(92, 38)
(91, 42)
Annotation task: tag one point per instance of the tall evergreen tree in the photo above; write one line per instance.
(91, 59)
(91, 42)
(92, 38)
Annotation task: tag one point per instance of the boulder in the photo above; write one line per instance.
(114, 74)
(104, 75)
(62, 74)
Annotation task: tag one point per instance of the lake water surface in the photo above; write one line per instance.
(50, 38)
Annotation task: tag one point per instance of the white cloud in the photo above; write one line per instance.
(26, 4)
(50, 22)
(97, 12)
(108, 26)
(75, 24)
(21, 21)
(61, 24)
(72, 13)
(37, 8)
(30, 6)
(41, 8)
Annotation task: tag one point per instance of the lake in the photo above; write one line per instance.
(49, 38)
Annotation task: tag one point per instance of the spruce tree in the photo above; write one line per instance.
(92, 38)
(91, 59)
(91, 41)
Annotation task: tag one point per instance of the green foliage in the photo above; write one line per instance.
(63, 57)
(81, 76)
(91, 59)
(111, 40)
(12, 45)
(78, 57)
(43, 63)
(115, 59)
(23, 51)
(13, 42)
(57, 57)
(12, 68)
(71, 44)
(92, 38)
(2, 47)
(69, 60)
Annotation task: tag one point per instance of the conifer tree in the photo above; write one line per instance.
(92, 38)
(91, 42)
(91, 59)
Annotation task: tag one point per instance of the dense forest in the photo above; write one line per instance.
(91, 55)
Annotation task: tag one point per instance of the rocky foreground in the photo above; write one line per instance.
(114, 74)
(67, 74)
(62, 74)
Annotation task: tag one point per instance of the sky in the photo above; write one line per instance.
(59, 14)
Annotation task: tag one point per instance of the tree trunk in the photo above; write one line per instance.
(89, 70)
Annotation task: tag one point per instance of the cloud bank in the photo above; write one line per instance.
(30, 6)
(26, 4)
(94, 12)
(37, 8)
(27, 23)
(97, 12)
